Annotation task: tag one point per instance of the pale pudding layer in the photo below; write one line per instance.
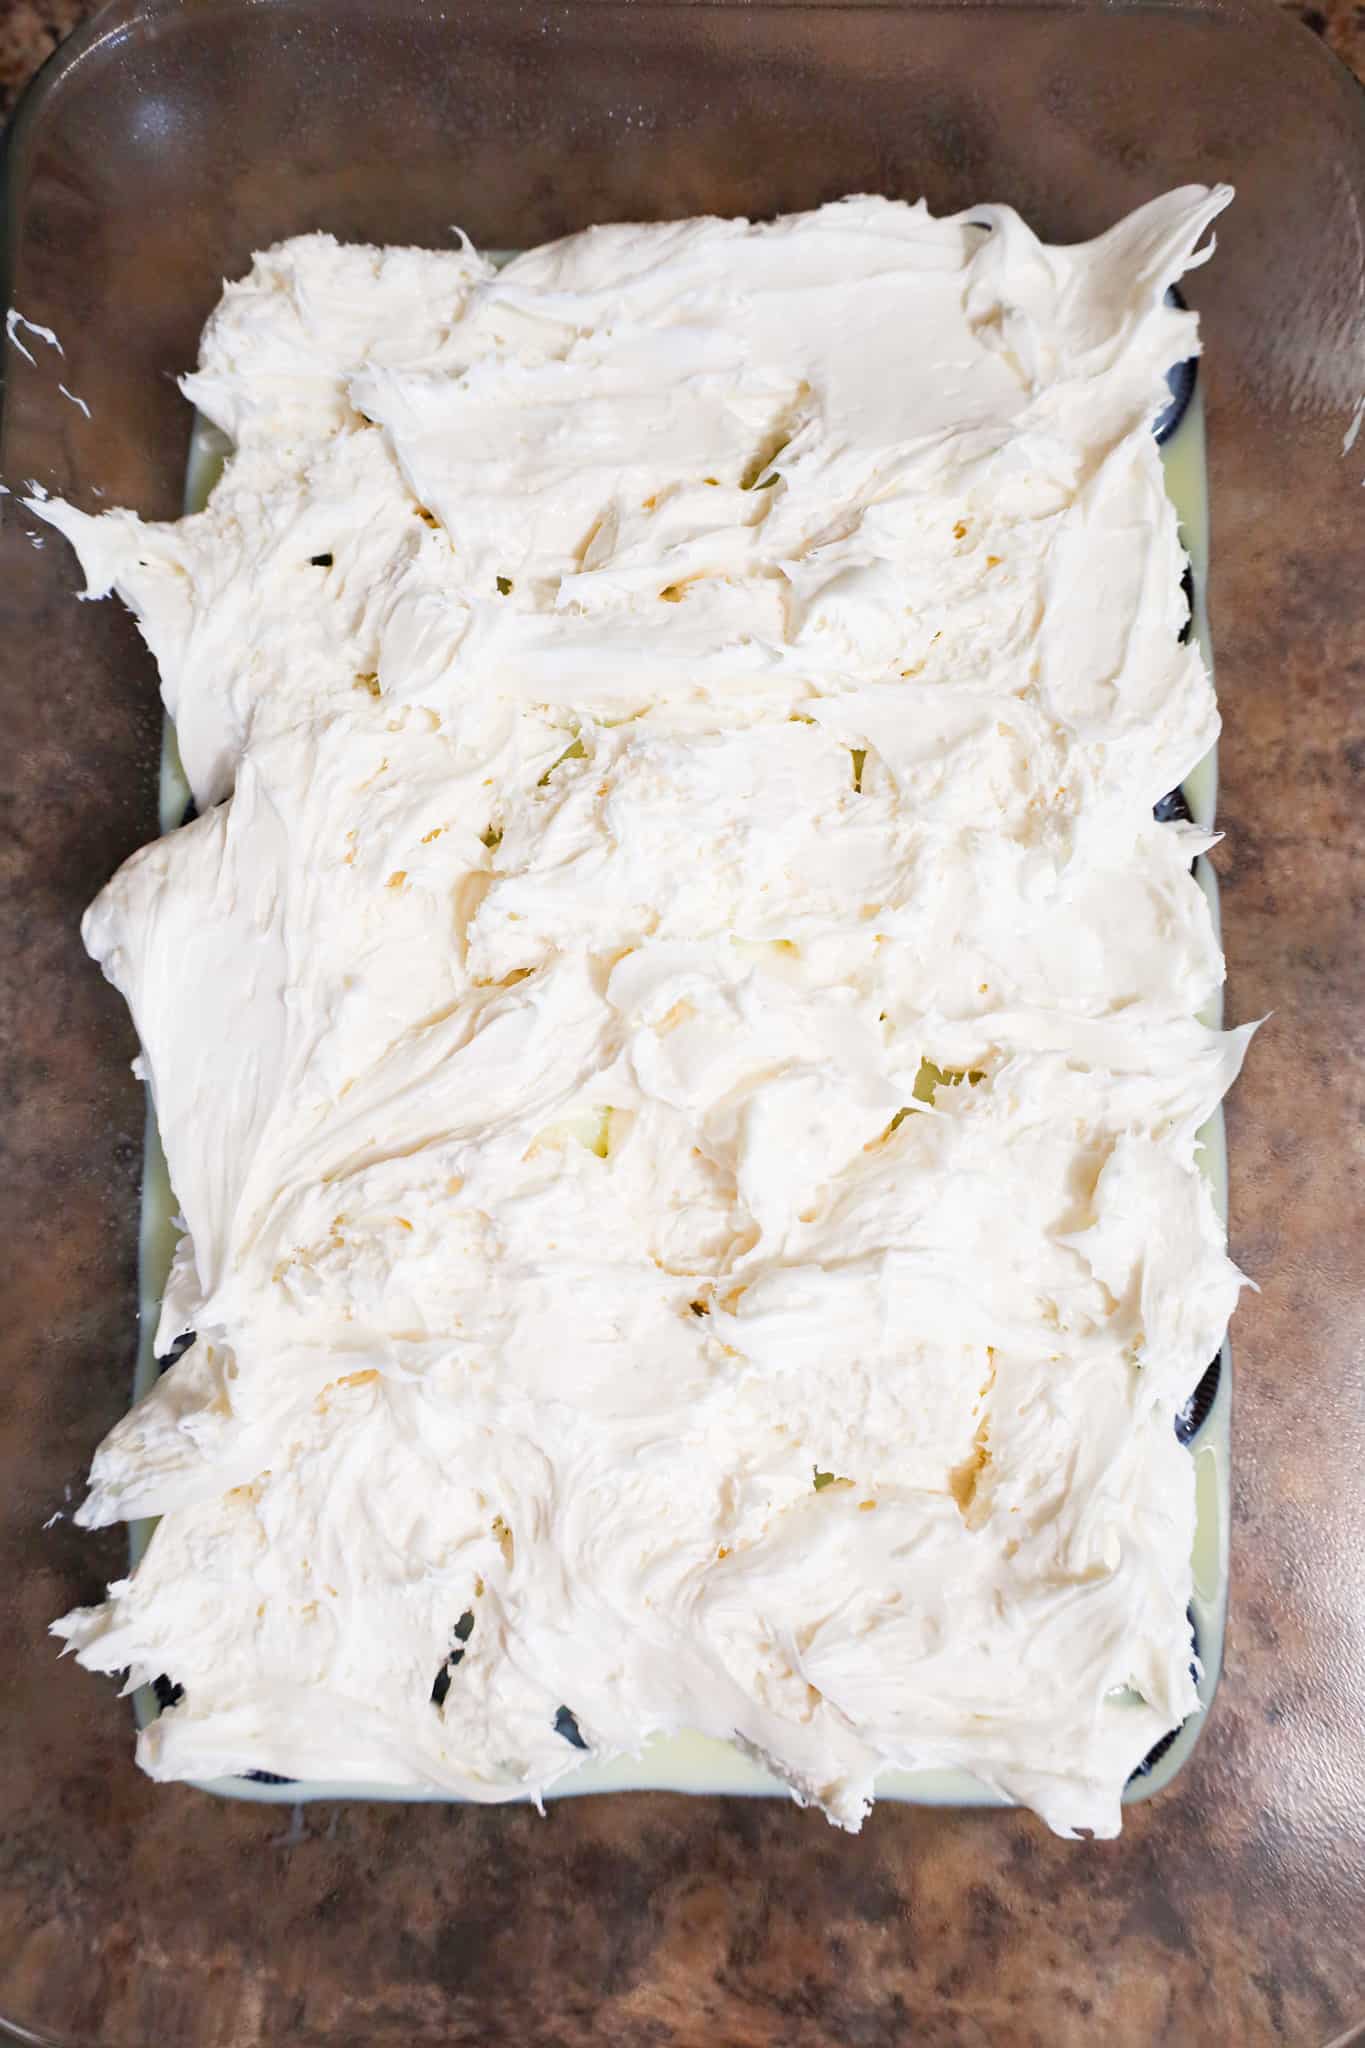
(676, 1033)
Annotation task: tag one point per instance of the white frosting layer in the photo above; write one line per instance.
(651, 708)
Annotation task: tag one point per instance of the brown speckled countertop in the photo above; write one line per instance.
(30, 31)
(1219, 1920)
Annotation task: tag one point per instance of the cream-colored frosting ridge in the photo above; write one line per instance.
(676, 1034)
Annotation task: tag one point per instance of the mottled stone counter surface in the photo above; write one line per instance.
(30, 31)
(1226, 1916)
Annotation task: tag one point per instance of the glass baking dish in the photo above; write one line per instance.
(163, 145)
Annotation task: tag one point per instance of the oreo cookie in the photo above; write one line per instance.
(1199, 1407)
(462, 1631)
(1180, 382)
(177, 1350)
(1159, 1749)
(566, 1724)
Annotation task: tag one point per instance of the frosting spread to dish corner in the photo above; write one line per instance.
(676, 1034)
